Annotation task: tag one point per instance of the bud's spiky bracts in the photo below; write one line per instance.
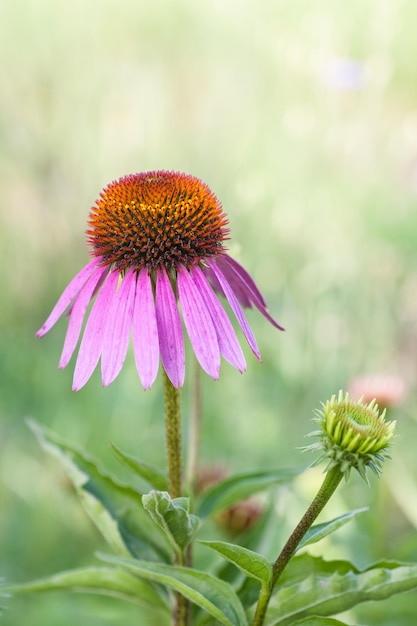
(353, 435)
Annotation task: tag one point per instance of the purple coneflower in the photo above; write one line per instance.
(157, 240)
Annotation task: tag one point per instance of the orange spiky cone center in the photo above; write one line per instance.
(156, 219)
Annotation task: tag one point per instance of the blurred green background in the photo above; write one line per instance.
(302, 118)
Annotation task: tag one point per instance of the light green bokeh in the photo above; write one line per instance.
(302, 118)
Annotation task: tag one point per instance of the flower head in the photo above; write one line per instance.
(157, 240)
(353, 435)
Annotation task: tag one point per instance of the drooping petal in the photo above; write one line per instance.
(239, 269)
(92, 341)
(238, 289)
(226, 336)
(145, 331)
(199, 324)
(67, 296)
(239, 279)
(235, 306)
(171, 340)
(78, 309)
(117, 330)
(213, 280)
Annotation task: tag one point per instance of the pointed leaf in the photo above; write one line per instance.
(267, 538)
(107, 581)
(152, 475)
(304, 565)
(252, 564)
(239, 487)
(115, 508)
(209, 593)
(320, 621)
(172, 516)
(319, 531)
(337, 587)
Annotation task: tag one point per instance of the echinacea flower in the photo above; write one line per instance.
(158, 241)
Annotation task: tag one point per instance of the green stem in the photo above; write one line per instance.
(330, 483)
(173, 437)
(262, 605)
(182, 611)
(174, 456)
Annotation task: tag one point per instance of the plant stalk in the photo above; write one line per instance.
(173, 437)
(174, 458)
(328, 487)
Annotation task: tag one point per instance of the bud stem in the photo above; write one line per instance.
(330, 483)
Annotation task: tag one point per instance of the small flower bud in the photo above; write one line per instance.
(352, 434)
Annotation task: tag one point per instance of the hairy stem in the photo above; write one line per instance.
(330, 483)
(173, 438)
(174, 457)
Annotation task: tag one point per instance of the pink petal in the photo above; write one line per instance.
(145, 331)
(78, 309)
(226, 336)
(199, 324)
(242, 282)
(68, 294)
(240, 316)
(239, 269)
(92, 341)
(117, 331)
(171, 340)
(213, 280)
(236, 286)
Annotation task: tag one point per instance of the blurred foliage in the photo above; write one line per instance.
(302, 118)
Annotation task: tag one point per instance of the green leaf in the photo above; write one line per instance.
(172, 516)
(115, 508)
(107, 581)
(236, 488)
(335, 587)
(319, 621)
(252, 564)
(257, 539)
(214, 596)
(153, 476)
(267, 539)
(248, 593)
(319, 531)
(304, 565)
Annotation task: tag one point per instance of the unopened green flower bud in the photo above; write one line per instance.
(352, 434)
